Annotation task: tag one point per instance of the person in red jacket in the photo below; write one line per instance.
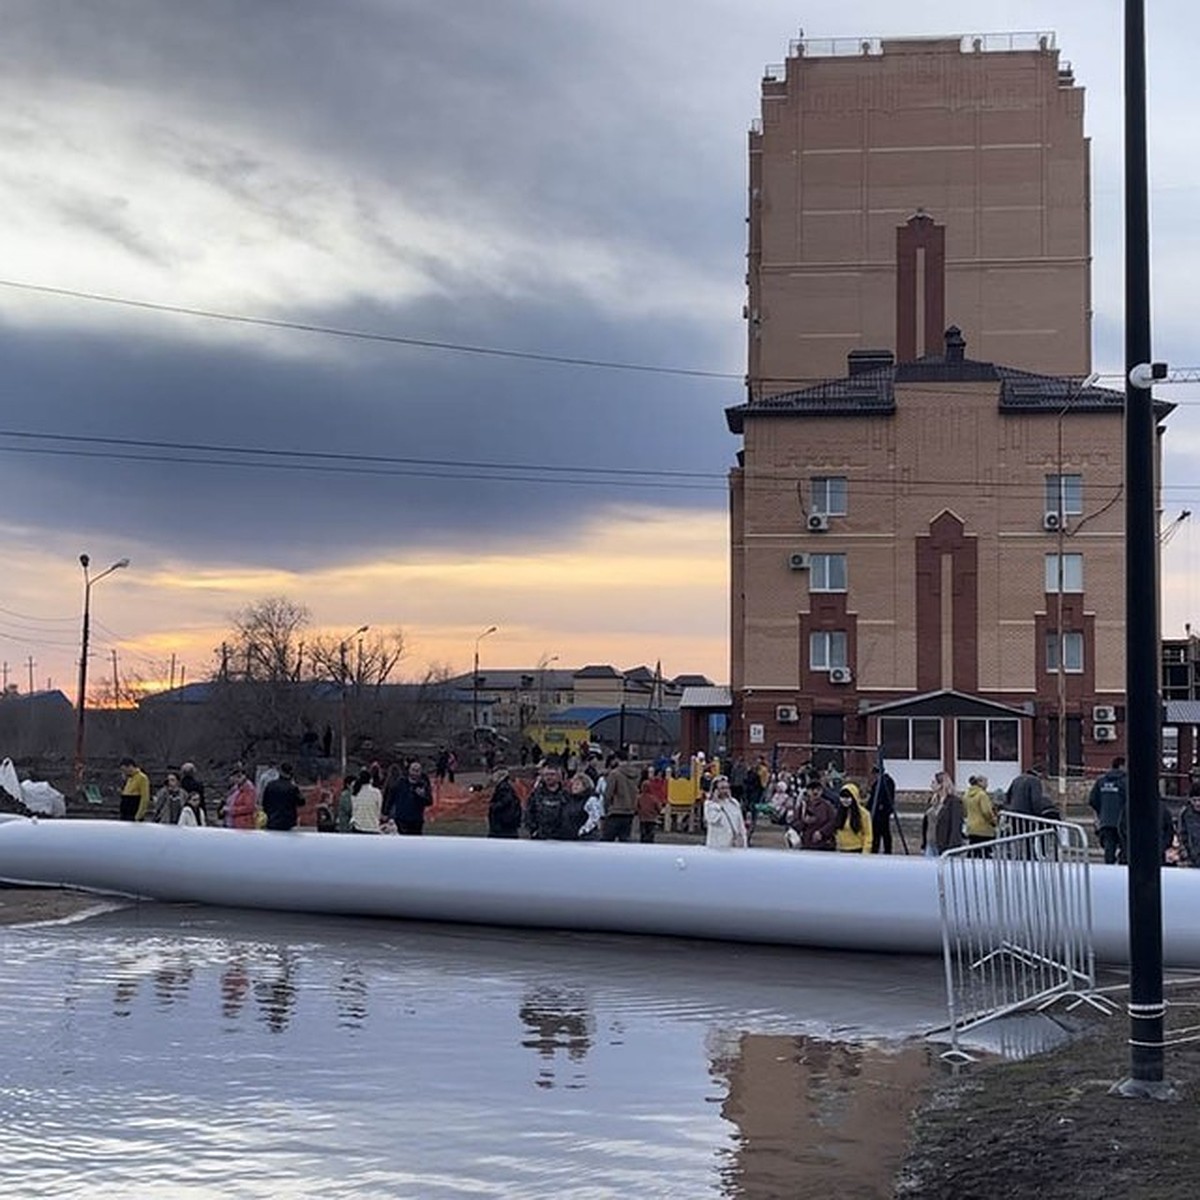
(652, 796)
(816, 818)
(241, 802)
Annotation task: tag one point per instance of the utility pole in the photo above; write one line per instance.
(31, 674)
(6, 678)
(172, 686)
(1142, 697)
(116, 680)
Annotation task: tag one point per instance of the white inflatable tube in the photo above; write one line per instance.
(836, 901)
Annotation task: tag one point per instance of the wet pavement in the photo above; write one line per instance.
(187, 1052)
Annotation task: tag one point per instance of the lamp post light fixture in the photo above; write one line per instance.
(475, 683)
(342, 681)
(81, 700)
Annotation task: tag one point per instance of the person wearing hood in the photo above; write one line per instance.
(620, 800)
(853, 834)
(725, 827)
(504, 807)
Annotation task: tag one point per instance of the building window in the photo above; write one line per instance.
(1064, 493)
(827, 573)
(987, 739)
(1072, 644)
(826, 648)
(1072, 574)
(829, 495)
(908, 738)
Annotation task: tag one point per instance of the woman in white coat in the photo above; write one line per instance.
(723, 820)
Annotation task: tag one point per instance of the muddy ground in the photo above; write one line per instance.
(23, 905)
(1048, 1128)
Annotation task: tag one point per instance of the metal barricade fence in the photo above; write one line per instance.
(1016, 921)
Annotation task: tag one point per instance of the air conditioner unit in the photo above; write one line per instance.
(1104, 733)
(799, 562)
(1104, 714)
(787, 714)
(1052, 522)
(818, 523)
(840, 675)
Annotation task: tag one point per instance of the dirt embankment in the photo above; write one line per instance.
(1047, 1127)
(25, 905)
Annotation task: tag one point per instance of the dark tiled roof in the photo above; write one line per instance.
(872, 393)
(598, 672)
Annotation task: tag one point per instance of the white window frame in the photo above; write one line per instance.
(824, 499)
(1064, 494)
(1072, 647)
(827, 648)
(1072, 573)
(821, 566)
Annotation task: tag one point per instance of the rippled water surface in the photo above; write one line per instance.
(185, 1052)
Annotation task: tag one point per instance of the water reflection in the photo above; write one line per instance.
(297, 1056)
(351, 990)
(275, 991)
(235, 986)
(557, 1019)
(833, 1114)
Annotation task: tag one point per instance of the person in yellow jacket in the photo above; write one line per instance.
(135, 792)
(854, 822)
(979, 812)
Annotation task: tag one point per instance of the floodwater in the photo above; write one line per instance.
(173, 1051)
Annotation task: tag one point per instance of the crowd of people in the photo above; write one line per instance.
(582, 798)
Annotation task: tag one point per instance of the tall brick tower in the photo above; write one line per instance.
(899, 184)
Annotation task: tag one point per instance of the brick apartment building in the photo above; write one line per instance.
(927, 544)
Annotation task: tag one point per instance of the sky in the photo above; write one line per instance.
(556, 179)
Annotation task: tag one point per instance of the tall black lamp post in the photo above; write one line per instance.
(81, 700)
(475, 683)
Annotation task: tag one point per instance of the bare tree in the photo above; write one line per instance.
(368, 662)
(266, 646)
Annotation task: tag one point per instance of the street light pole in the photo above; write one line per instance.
(342, 696)
(81, 699)
(1060, 508)
(1143, 701)
(475, 683)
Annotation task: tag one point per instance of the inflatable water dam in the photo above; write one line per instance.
(834, 901)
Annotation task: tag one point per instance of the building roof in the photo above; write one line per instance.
(944, 703)
(595, 671)
(706, 697)
(546, 680)
(869, 388)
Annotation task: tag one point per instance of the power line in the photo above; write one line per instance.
(363, 335)
(40, 620)
(204, 447)
(179, 460)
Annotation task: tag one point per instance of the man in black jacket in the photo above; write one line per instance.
(409, 798)
(1110, 794)
(881, 804)
(282, 800)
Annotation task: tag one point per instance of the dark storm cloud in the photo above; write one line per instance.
(411, 404)
(530, 111)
